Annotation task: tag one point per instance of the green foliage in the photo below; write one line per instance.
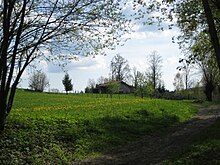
(113, 87)
(60, 129)
(203, 55)
(67, 83)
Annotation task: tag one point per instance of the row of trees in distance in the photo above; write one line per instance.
(194, 78)
(148, 82)
(38, 81)
(198, 22)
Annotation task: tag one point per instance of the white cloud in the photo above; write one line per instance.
(83, 63)
(43, 65)
(142, 32)
(171, 61)
(144, 40)
(140, 65)
(88, 63)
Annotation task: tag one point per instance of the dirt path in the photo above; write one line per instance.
(156, 148)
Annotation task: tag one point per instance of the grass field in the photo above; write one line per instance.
(60, 129)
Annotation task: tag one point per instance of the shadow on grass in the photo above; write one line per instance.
(102, 134)
(204, 148)
(52, 140)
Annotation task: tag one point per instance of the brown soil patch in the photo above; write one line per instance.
(157, 147)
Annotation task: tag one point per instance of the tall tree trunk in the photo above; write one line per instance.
(3, 63)
(2, 116)
(209, 87)
(212, 30)
(6, 71)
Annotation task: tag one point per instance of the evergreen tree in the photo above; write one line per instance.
(67, 83)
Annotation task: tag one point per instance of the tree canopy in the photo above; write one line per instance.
(192, 17)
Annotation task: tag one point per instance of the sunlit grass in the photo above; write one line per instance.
(59, 129)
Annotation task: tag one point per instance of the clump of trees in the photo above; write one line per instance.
(91, 86)
(113, 87)
(199, 60)
(192, 17)
(139, 82)
(119, 71)
(68, 86)
(38, 81)
(198, 21)
(202, 55)
(148, 83)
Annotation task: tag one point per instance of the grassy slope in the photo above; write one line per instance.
(54, 128)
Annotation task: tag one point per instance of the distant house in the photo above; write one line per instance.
(123, 87)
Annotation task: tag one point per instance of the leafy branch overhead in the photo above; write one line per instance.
(54, 30)
(192, 17)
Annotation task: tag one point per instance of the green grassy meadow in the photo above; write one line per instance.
(47, 128)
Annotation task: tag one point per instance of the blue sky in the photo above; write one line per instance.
(135, 50)
(142, 42)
